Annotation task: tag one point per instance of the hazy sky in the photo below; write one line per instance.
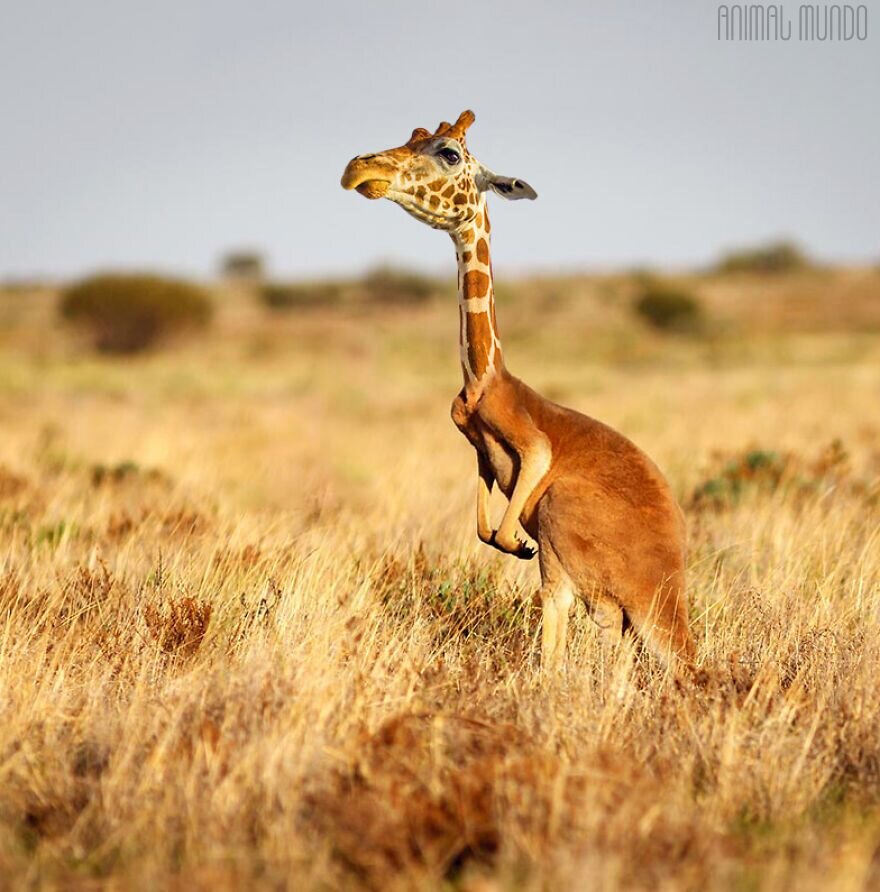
(159, 134)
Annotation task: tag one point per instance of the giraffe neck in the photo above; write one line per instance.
(479, 344)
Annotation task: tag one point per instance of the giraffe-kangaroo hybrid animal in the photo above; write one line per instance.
(607, 526)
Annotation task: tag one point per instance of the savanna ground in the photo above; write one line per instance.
(249, 638)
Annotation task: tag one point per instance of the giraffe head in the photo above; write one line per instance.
(433, 177)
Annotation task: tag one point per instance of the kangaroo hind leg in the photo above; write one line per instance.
(556, 595)
(556, 601)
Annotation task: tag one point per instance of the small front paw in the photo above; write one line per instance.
(524, 551)
(514, 546)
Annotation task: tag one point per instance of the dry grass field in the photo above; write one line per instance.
(248, 638)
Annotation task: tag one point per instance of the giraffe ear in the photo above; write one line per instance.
(511, 188)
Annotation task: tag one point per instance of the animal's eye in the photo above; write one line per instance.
(449, 155)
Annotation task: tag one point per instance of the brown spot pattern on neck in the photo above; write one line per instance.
(479, 344)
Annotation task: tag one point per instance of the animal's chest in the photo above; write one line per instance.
(502, 459)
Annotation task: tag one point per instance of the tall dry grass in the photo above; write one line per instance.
(248, 638)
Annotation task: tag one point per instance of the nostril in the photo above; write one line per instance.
(364, 157)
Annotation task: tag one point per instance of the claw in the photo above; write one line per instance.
(522, 551)
(525, 552)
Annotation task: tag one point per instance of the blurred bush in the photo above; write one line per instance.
(382, 285)
(245, 266)
(389, 284)
(780, 257)
(126, 313)
(766, 471)
(23, 285)
(290, 295)
(668, 307)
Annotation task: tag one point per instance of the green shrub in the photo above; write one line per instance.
(766, 471)
(126, 313)
(668, 308)
(780, 257)
(754, 469)
(388, 284)
(290, 295)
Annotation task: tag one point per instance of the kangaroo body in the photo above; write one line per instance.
(607, 526)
